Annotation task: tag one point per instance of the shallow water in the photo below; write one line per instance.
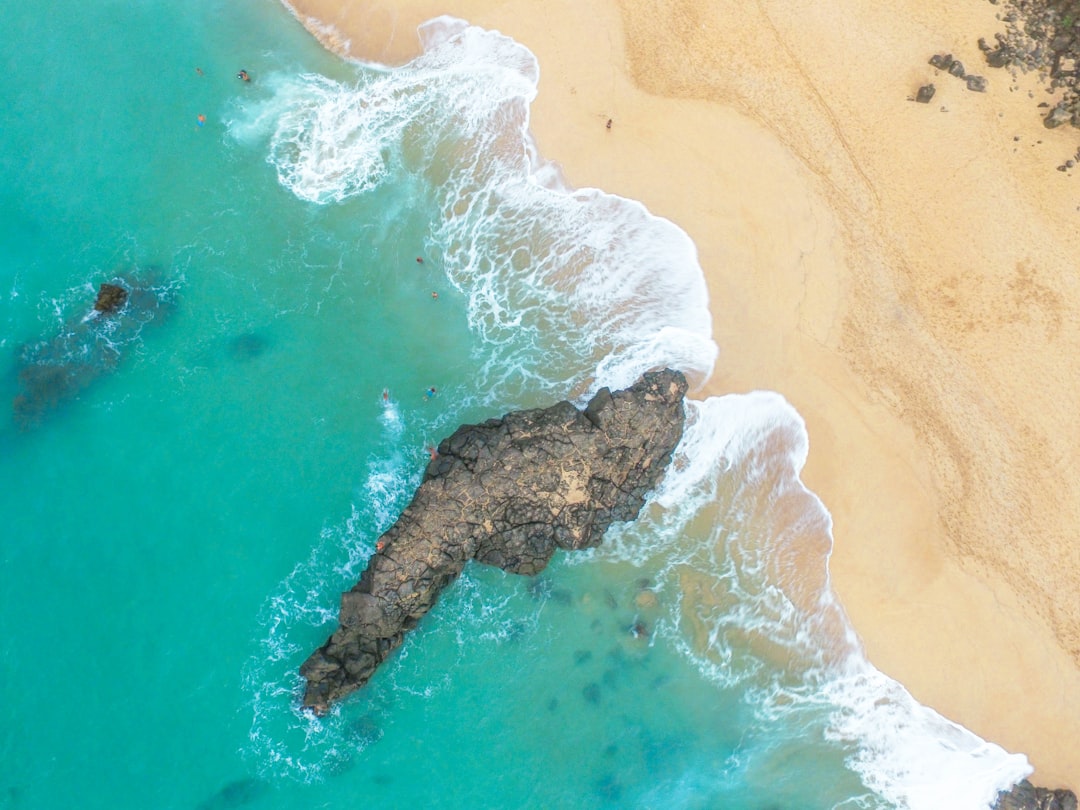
(177, 531)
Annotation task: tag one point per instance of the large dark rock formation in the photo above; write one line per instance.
(508, 492)
(89, 344)
(1025, 796)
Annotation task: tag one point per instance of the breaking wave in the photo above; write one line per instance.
(570, 290)
(746, 546)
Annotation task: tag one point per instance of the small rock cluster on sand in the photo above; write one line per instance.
(1042, 36)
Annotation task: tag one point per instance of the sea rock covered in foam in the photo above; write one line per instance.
(508, 492)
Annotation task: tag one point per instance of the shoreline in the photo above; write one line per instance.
(900, 272)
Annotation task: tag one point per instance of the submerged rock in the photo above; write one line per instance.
(1041, 36)
(236, 794)
(110, 298)
(90, 345)
(248, 346)
(508, 492)
(591, 693)
(647, 599)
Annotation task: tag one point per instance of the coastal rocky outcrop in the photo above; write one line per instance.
(1025, 796)
(1042, 36)
(89, 344)
(507, 492)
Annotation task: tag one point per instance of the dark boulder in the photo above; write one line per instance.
(941, 60)
(976, 84)
(1025, 796)
(926, 92)
(1058, 116)
(508, 492)
(999, 57)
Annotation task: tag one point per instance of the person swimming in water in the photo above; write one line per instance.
(430, 392)
(243, 76)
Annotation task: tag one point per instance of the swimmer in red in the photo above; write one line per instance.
(243, 76)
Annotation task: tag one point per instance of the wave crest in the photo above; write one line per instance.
(569, 289)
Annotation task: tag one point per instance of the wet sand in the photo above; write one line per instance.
(905, 274)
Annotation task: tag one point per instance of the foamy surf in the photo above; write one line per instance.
(582, 281)
(733, 529)
(284, 740)
(574, 289)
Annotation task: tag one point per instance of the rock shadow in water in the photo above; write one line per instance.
(543, 590)
(591, 693)
(609, 788)
(237, 793)
(247, 347)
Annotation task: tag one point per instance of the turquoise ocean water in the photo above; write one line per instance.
(178, 529)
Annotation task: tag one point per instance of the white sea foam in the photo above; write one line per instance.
(909, 753)
(732, 511)
(585, 282)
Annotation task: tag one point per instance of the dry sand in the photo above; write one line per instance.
(905, 274)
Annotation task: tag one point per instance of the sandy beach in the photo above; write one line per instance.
(905, 274)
